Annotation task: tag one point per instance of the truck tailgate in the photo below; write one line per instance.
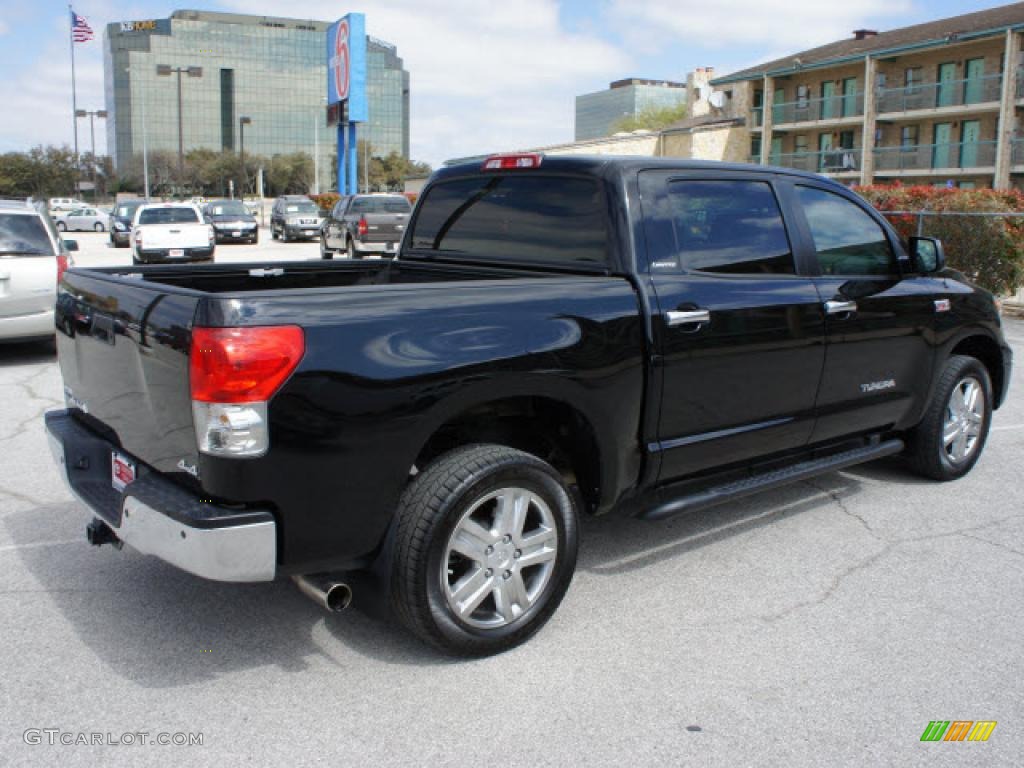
(384, 227)
(123, 353)
(161, 236)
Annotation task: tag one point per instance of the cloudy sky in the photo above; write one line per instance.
(486, 74)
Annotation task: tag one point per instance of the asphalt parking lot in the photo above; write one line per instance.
(822, 624)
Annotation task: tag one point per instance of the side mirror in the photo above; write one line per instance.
(928, 254)
(71, 245)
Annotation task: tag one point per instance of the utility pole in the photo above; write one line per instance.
(165, 70)
(242, 122)
(92, 114)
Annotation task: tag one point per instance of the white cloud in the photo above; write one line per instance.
(36, 99)
(485, 75)
(790, 25)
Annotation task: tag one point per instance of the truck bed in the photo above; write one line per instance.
(277, 276)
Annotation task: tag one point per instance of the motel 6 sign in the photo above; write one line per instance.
(346, 65)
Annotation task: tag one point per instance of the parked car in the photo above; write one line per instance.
(58, 204)
(171, 232)
(365, 224)
(558, 336)
(231, 220)
(295, 217)
(32, 260)
(82, 219)
(121, 218)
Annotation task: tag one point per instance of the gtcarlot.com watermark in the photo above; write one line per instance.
(54, 737)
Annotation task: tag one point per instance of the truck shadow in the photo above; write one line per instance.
(27, 353)
(151, 624)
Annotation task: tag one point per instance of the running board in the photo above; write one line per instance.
(720, 494)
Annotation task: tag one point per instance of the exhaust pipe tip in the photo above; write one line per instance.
(329, 593)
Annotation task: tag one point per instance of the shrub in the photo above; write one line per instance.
(326, 201)
(989, 250)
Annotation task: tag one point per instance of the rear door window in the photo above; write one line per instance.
(529, 218)
(722, 226)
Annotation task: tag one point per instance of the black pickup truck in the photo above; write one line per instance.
(558, 336)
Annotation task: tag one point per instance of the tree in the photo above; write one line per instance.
(651, 119)
(388, 173)
(41, 172)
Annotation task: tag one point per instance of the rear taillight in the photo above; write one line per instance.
(363, 227)
(62, 265)
(512, 162)
(233, 372)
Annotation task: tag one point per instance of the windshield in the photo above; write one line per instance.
(309, 207)
(26, 235)
(168, 216)
(381, 205)
(127, 210)
(233, 208)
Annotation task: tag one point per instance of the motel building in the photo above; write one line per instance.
(935, 103)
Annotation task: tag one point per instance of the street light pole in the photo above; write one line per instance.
(242, 122)
(166, 70)
(92, 114)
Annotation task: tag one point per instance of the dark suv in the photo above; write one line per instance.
(121, 222)
(365, 224)
(295, 217)
(231, 221)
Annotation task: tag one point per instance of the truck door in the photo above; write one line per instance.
(738, 329)
(878, 362)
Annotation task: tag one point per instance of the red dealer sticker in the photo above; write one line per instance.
(122, 471)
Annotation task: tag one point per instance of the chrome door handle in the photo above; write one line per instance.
(681, 317)
(840, 307)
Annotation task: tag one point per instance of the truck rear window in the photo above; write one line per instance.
(168, 216)
(527, 218)
(381, 205)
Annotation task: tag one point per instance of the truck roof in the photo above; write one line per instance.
(614, 165)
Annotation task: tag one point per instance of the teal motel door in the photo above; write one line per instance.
(970, 135)
(778, 113)
(974, 71)
(828, 95)
(941, 145)
(946, 94)
(824, 146)
(849, 96)
(775, 158)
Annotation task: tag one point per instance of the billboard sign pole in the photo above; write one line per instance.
(346, 88)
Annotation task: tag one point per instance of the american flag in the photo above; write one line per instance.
(81, 32)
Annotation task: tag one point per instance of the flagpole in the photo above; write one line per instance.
(74, 98)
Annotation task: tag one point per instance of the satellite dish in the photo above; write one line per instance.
(717, 99)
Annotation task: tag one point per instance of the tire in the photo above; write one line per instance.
(325, 252)
(950, 438)
(273, 232)
(456, 491)
(61, 226)
(350, 250)
(255, 238)
(98, 227)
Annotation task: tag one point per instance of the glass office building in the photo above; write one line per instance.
(598, 112)
(272, 71)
